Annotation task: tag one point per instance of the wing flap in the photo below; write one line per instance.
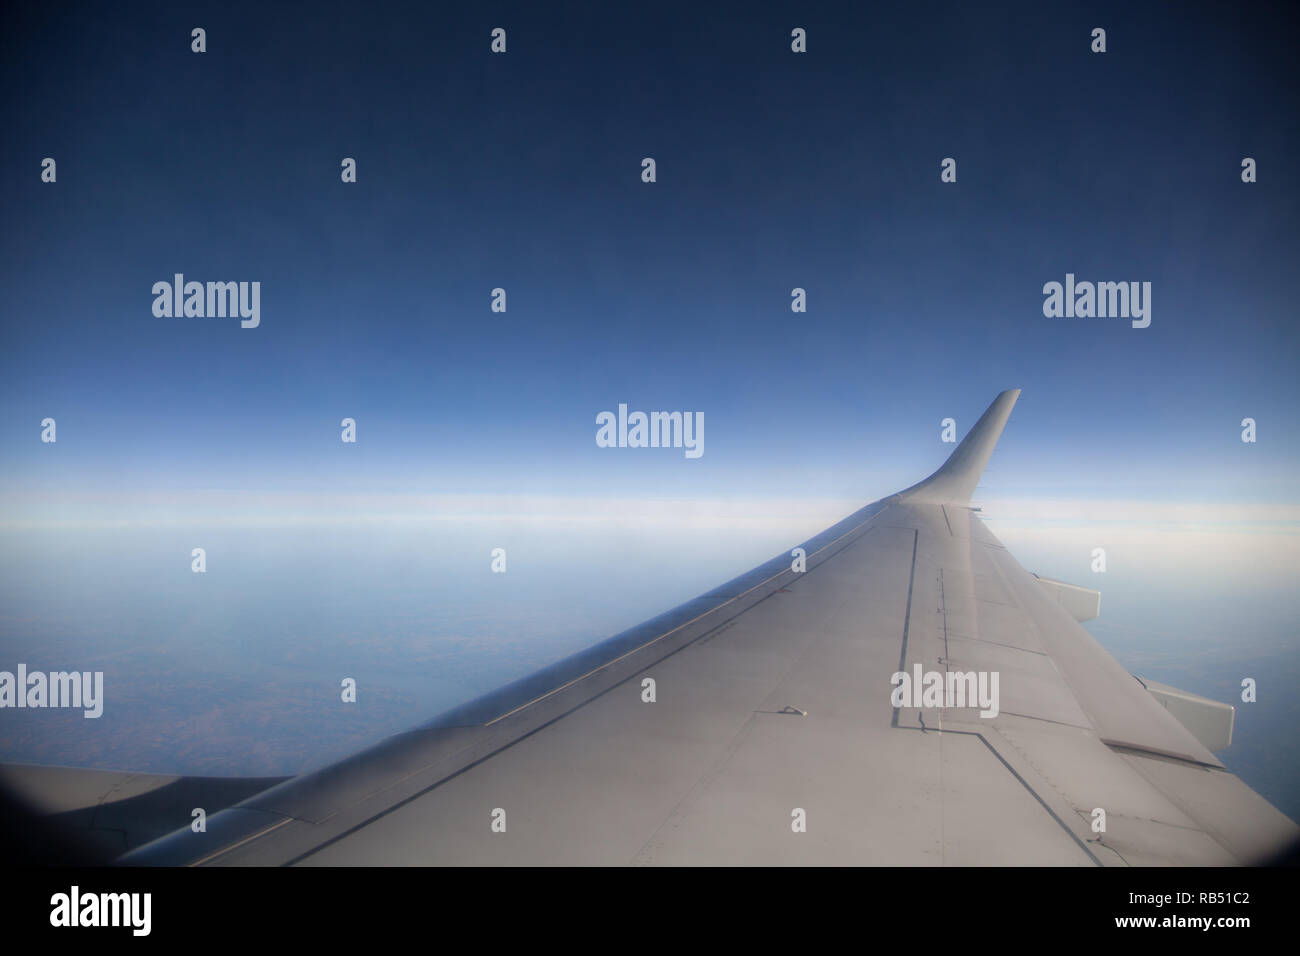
(1209, 721)
(1084, 604)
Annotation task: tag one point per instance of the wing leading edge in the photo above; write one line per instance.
(772, 737)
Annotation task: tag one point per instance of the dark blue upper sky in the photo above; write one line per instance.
(522, 170)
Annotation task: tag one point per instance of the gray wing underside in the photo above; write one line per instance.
(773, 699)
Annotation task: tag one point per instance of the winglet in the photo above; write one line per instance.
(955, 482)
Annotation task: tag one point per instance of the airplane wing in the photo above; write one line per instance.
(757, 725)
(102, 814)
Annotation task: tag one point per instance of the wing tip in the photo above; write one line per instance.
(955, 481)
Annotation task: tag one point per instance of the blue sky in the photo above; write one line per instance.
(522, 171)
